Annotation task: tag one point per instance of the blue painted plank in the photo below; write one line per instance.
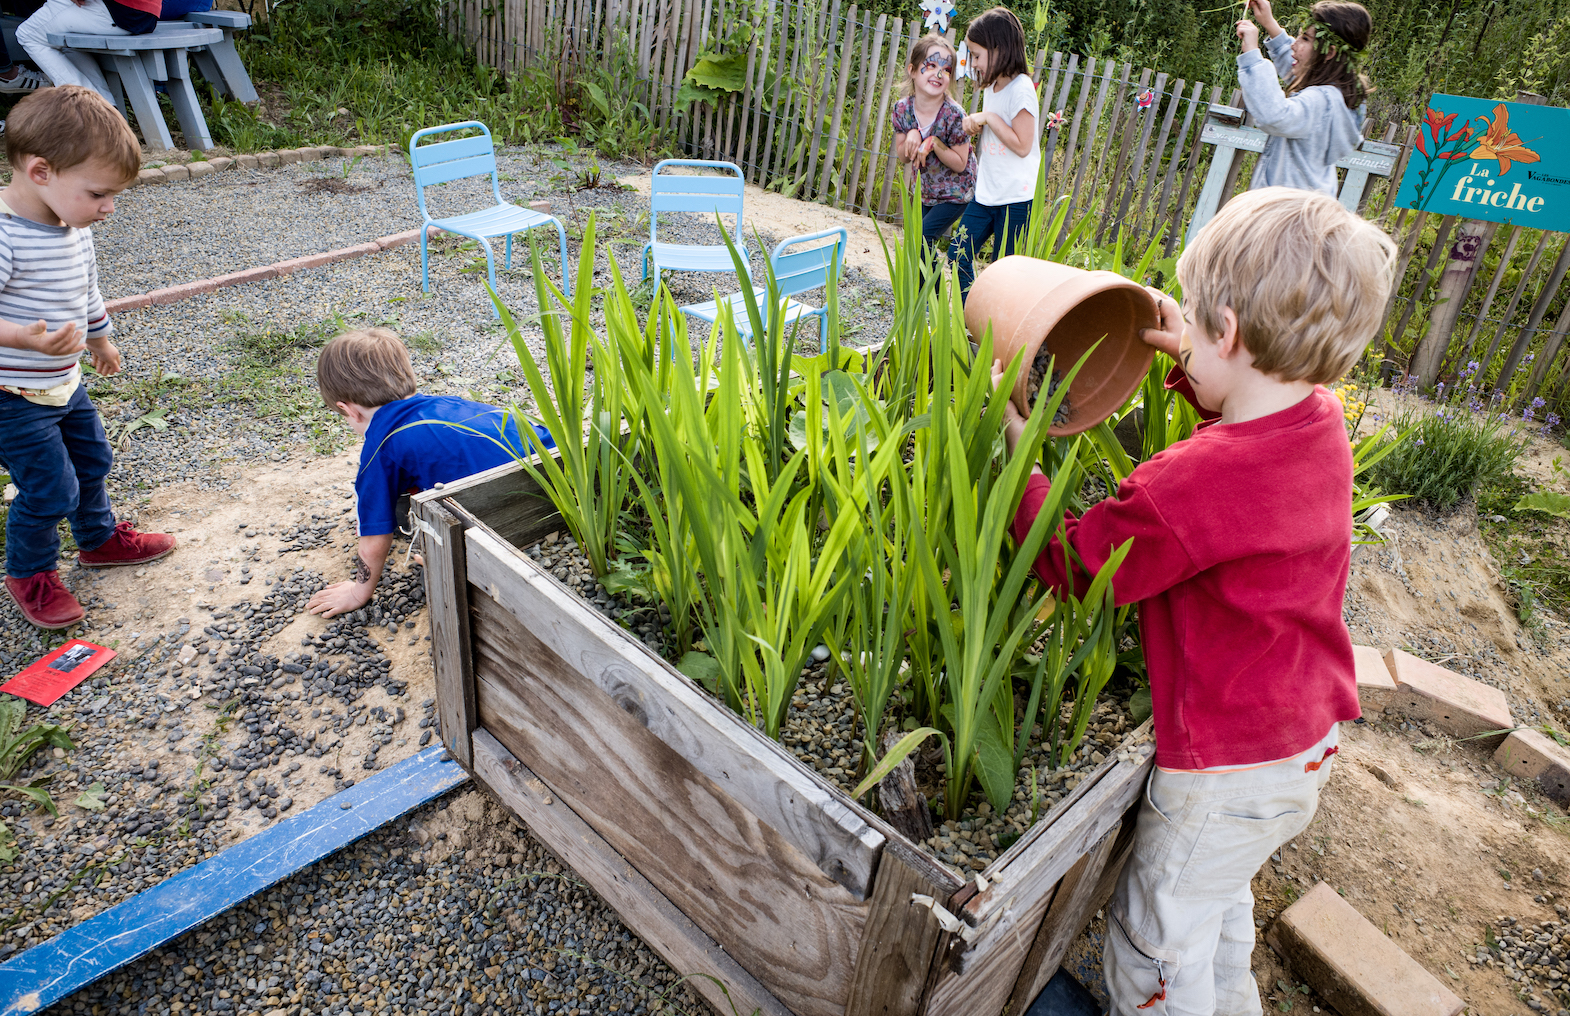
(77, 957)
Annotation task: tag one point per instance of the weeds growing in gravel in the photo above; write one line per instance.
(18, 745)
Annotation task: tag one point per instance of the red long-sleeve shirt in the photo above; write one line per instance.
(1242, 544)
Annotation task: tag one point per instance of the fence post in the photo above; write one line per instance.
(1556, 275)
(1515, 298)
(1466, 253)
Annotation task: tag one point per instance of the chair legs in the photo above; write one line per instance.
(425, 258)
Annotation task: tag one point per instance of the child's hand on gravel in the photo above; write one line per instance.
(1013, 423)
(106, 358)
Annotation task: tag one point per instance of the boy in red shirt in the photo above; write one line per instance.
(1242, 541)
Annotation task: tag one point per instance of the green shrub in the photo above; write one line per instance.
(1452, 449)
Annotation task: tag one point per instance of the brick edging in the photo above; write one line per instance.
(185, 291)
(199, 168)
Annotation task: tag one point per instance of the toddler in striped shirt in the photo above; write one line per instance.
(70, 152)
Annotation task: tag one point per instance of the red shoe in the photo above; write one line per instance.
(45, 601)
(127, 546)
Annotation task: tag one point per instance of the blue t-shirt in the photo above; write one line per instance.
(409, 446)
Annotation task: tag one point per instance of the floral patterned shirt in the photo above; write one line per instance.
(940, 185)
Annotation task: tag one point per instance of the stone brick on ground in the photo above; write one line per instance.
(1459, 706)
(1358, 970)
(1376, 689)
(1530, 754)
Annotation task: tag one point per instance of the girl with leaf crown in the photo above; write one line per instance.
(1317, 119)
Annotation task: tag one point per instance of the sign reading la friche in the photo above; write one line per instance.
(1500, 161)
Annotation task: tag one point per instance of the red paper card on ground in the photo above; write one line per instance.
(54, 675)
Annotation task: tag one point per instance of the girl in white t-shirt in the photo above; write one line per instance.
(1009, 149)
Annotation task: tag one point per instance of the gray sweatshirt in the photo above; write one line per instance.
(1309, 132)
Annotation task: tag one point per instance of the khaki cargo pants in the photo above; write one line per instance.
(1180, 927)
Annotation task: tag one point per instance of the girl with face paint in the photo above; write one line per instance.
(929, 135)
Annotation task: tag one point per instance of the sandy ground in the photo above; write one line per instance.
(204, 576)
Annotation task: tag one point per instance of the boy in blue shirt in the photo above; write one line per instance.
(412, 442)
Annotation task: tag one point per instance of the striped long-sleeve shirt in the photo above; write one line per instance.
(47, 272)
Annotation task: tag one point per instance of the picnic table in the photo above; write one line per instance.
(134, 63)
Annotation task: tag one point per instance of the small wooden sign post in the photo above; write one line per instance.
(1224, 129)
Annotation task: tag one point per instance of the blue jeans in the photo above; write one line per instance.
(936, 219)
(58, 458)
(1006, 222)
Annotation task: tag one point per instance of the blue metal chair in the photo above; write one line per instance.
(460, 159)
(707, 194)
(800, 264)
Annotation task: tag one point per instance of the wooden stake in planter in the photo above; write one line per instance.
(1466, 253)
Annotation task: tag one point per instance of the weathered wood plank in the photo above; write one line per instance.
(738, 878)
(813, 131)
(1077, 897)
(899, 942)
(641, 907)
(1179, 211)
(1159, 213)
(752, 112)
(1515, 298)
(1139, 170)
(753, 770)
(1085, 77)
(1044, 855)
(1493, 290)
(1130, 116)
(506, 500)
(898, 47)
(856, 136)
(829, 177)
(1089, 148)
(446, 589)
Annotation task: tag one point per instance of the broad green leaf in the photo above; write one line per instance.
(702, 668)
(12, 709)
(995, 764)
(1139, 706)
(1546, 501)
(92, 798)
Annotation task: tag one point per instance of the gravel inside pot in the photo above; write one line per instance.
(1038, 371)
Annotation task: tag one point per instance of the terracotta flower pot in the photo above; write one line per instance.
(1030, 302)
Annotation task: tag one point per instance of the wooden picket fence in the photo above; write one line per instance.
(812, 120)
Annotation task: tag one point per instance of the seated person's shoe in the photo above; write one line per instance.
(26, 80)
(127, 546)
(45, 601)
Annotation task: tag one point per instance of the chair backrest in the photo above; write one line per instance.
(458, 159)
(705, 193)
(802, 263)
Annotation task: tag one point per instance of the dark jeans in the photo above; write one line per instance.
(1006, 222)
(58, 458)
(936, 219)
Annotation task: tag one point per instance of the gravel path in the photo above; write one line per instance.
(223, 716)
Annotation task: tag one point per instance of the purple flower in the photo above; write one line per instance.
(1552, 420)
(1471, 368)
(1538, 403)
(1530, 357)
(1420, 442)
(1526, 414)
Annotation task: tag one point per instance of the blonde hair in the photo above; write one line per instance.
(1307, 279)
(368, 367)
(70, 125)
(918, 56)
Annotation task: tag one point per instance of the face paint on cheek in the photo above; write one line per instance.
(1186, 350)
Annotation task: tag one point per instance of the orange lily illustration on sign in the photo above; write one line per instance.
(1499, 142)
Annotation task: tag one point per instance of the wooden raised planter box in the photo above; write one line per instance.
(720, 849)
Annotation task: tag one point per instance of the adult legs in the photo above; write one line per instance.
(68, 67)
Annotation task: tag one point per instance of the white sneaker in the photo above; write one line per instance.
(26, 80)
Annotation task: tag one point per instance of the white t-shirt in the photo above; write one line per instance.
(1002, 178)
